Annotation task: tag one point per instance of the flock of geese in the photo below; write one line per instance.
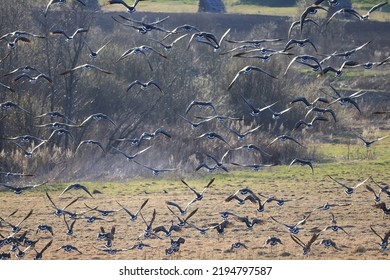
(16, 241)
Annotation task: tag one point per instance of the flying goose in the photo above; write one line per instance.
(254, 166)
(85, 67)
(284, 138)
(256, 111)
(130, 9)
(168, 47)
(16, 228)
(93, 54)
(368, 143)
(302, 59)
(39, 254)
(309, 10)
(348, 190)
(24, 138)
(296, 23)
(242, 135)
(97, 117)
(9, 104)
(54, 114)
(133, 217)
(144, 86)
(20, 189)
(29, 153)
(69, 248)
(307, 103)
(141, 50)
(32, 79)
(60, 2)
(334, 227)
(167, 231)
(60, 211)
(76, 186)
(68, 37)
(293, 228)
(384, 240)
(12, 44)
(310, 124)
(198, 195)
(131, 157)
(146, 27)
(246, 70)
(305, 247)
(213, 135)
(302, 162)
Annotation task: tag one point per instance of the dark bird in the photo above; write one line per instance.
(32, 79)
(24, 138)
(168, 47)
(144, 86)
(107, 236)
(334, 226)
(305, 247)
(279, 201)
(93, 54)
(309, 124)
(12, 43)
(200, 104)
(133, 217)
(198, 195)
(183, 210)
(242, 135)
(348, 190)
(76, 187)
(93, 142)
(97, 117)
(131, 157)
(219, 163)
(148, 230)
(329, 243)
(70, 227)
(20, 33)
(59, 2)
(26, 152)
(130, 9)
(384, 240)
(382, 206)
(85, 67)
(327, 205)
(284, 138)
(57, 125)
(302, 59)
(368, 143)
(347, 54)
(256, 111)
(296, 23)
(144, 27)
(20, 189)
(272, 241)
(246, 70)
(167, 231)
(61, 211)
(237, 245)
(60, 132)
(151, 135)
(39, 254)
(9, 104)
(300, 43)
(254, 166)
(16, 228)
(321, 112)
(213, 135)
(252, 147)
(344, 100)
(101, 211)
(69, 248)
(141, 50)
(307, 103)
(250, 223)
(68, 37)
(374, 8)
(14, 174)
(344, 11)
(183, 222)
(43, 227)
(208, 38)
(156, 171)
(294, 228)
(309, 10)
(302, 162)
(7, 87)
(256, 42)
(54, 114)
(195, 124)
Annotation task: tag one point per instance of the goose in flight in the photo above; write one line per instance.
(94, 54)
(133, 216)
(302, 162)
(294, 228)
(256, 111)
(32, 79)
(68, 37)
(60, 211)
(309, 124)
(16, 228)
(213, 135)
(198, 195)
(242, 135)
(254, 166)
(39, 254)
(309, 10)
(306, 247)
(307, 103)
(200, 104)
(97, 117)
(368, 143)
(284, 138)
(12, 43)
(297, 23)
(130, 9)
(131, 157)
(93, 142)
(54, 114)
(348, 190)
(76, 186)
(9, 104)
(141, 50)
(144, 86)
(156, 171)
(59, 2)
(384, 240)
(246, 70)
(168, 47)
(29, 153)
(302, 59)
(20, 189)
(85, 67)
(208, 38)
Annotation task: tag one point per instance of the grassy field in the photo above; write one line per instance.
(279, 181)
